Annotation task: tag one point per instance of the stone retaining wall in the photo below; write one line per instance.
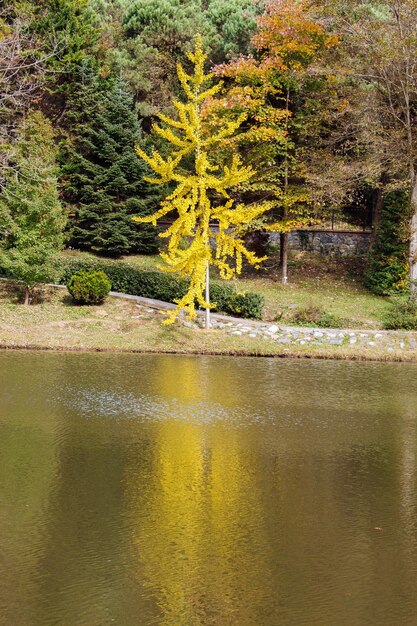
(327, 242)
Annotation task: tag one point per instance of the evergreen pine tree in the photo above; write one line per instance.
(31, 216)
(388, 268)
(102, 174)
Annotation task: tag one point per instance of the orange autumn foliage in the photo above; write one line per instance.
(265, 86)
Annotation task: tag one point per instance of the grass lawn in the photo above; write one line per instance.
(120, 325)
(333, 285)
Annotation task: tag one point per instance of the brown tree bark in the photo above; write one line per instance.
(376, 213)
(413, 238)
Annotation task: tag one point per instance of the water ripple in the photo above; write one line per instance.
(92, 403)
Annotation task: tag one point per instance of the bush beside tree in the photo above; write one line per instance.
(403, 314)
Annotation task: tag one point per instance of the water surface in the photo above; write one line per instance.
(178, 491)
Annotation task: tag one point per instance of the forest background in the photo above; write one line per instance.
(327, 92)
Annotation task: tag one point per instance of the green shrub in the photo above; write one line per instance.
(167, 287)
(248, 305)
(330, 320)
(388, 269)
(222, 296)
(89, 287)
(403, 315)
(315, 316)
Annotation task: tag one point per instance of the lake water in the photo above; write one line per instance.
(178, 491)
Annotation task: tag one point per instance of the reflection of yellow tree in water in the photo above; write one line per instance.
(179, 378)
(199, 528)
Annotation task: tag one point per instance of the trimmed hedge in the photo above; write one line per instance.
(248, 305)
(167, 287)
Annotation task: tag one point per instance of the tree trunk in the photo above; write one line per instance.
(284, 257)
(27, 295)
(207, 313)
(413, 239)
(376, 214)
(284, 236)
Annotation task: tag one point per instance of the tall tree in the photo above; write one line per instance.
(41, 43)
(387, 270)
(201, 196)
(380, 48)
(102, 174)
(277, 88)
(72, 29)
(72, 24)
(31, 216)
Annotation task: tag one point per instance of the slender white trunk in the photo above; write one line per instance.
(285, 236)
(413, 239)
(207, 315)
(284, 258)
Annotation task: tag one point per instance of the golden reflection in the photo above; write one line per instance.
(181, 379)
(199, 528)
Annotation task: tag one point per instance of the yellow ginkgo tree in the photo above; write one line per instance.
(208, 226)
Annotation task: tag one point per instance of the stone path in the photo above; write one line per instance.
(294, 335)
(287, 336)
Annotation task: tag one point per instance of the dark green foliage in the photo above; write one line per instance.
(167, 287)
(69, 29)
(248, 305)
(127, 279)
(69, 33)
(153, 35)
(230, 27)
(403, 315)
(222, 296)
(89, 287)
(388, 270)
(102, 174)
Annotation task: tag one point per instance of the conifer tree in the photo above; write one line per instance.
(31, 216)
(102, 174)
(148, 37)
(388, 268)
(202, 194)
(70, 28)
